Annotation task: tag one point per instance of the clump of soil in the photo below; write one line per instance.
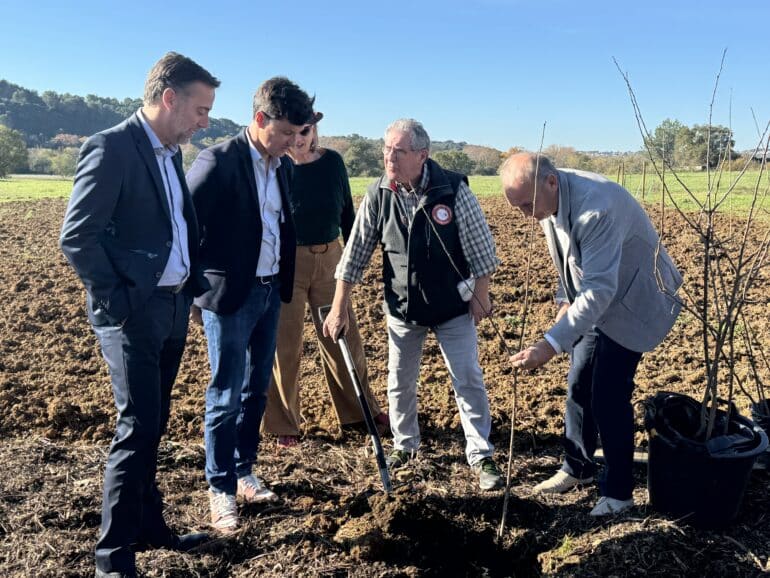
(406, 526)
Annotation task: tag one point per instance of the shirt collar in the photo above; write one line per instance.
(257, 156)
(419, 189)
(157, 146)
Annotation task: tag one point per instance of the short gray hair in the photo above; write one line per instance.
(526, 171)
(418, 136)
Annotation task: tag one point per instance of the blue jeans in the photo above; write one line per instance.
(143, 357)
(600, 384)
(241, 348)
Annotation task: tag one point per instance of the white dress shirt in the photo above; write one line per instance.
(178, 265)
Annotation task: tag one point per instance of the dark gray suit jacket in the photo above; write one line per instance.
(117, 230)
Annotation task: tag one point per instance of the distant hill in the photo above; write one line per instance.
(40, 117)
(54, 123)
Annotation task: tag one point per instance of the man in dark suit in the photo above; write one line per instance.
(131, 234)
(240, 189)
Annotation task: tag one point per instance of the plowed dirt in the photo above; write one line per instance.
(57, 418)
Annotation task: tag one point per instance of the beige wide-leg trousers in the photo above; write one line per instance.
(314, 284)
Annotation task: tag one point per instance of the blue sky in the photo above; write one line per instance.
(488, 72)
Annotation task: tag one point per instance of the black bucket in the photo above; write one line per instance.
(701, 482)
(760, 413)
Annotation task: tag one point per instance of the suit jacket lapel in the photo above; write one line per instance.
(283, 173)
(148, 156)
(247, 162)
(559, 253)
(553, 248)
(564, 221)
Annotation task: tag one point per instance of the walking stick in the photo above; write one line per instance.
(368, 419)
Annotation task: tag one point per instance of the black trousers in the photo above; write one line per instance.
(143, 357)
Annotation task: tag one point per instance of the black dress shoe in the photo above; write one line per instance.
(187, 542)
(170, 541)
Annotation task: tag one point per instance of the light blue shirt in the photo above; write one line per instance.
(178, 266)
(270, 211)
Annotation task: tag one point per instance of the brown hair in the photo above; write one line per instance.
(176, 72)
(280, 98)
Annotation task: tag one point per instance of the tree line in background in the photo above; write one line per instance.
(363, 156)
(695, 147)
(42, 133)
(52, 126)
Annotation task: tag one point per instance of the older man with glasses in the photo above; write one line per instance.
(438, 254)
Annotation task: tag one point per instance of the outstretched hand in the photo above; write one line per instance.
(533, 356)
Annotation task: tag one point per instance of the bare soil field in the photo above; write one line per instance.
(56, 421)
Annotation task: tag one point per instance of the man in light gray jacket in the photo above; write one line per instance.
(617, 299)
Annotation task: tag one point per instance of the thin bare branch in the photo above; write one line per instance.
(711, 112)
(647, 138)
(746, 165)
(530, 242)
(731, 267)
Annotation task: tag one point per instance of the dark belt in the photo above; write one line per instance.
(266, 280)
(171, 288)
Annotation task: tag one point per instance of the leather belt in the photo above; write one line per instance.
(266, 280)
(171, 288)
(318, 249)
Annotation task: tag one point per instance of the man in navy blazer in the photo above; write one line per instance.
(240, 188)
(617, 297)
(131, 234)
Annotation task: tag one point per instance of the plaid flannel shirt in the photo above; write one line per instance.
(476, 240)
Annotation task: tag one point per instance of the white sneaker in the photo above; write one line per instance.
(559, 483)
(607, 506)
(253, 490)
(224, 512)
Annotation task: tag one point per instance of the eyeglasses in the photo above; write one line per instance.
(396, 152)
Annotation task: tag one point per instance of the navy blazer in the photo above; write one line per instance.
(117, 230)
(224, 190)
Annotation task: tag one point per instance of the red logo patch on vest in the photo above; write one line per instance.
(442, 214)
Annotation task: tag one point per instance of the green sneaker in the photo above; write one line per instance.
(397, 459)
(489, 475)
